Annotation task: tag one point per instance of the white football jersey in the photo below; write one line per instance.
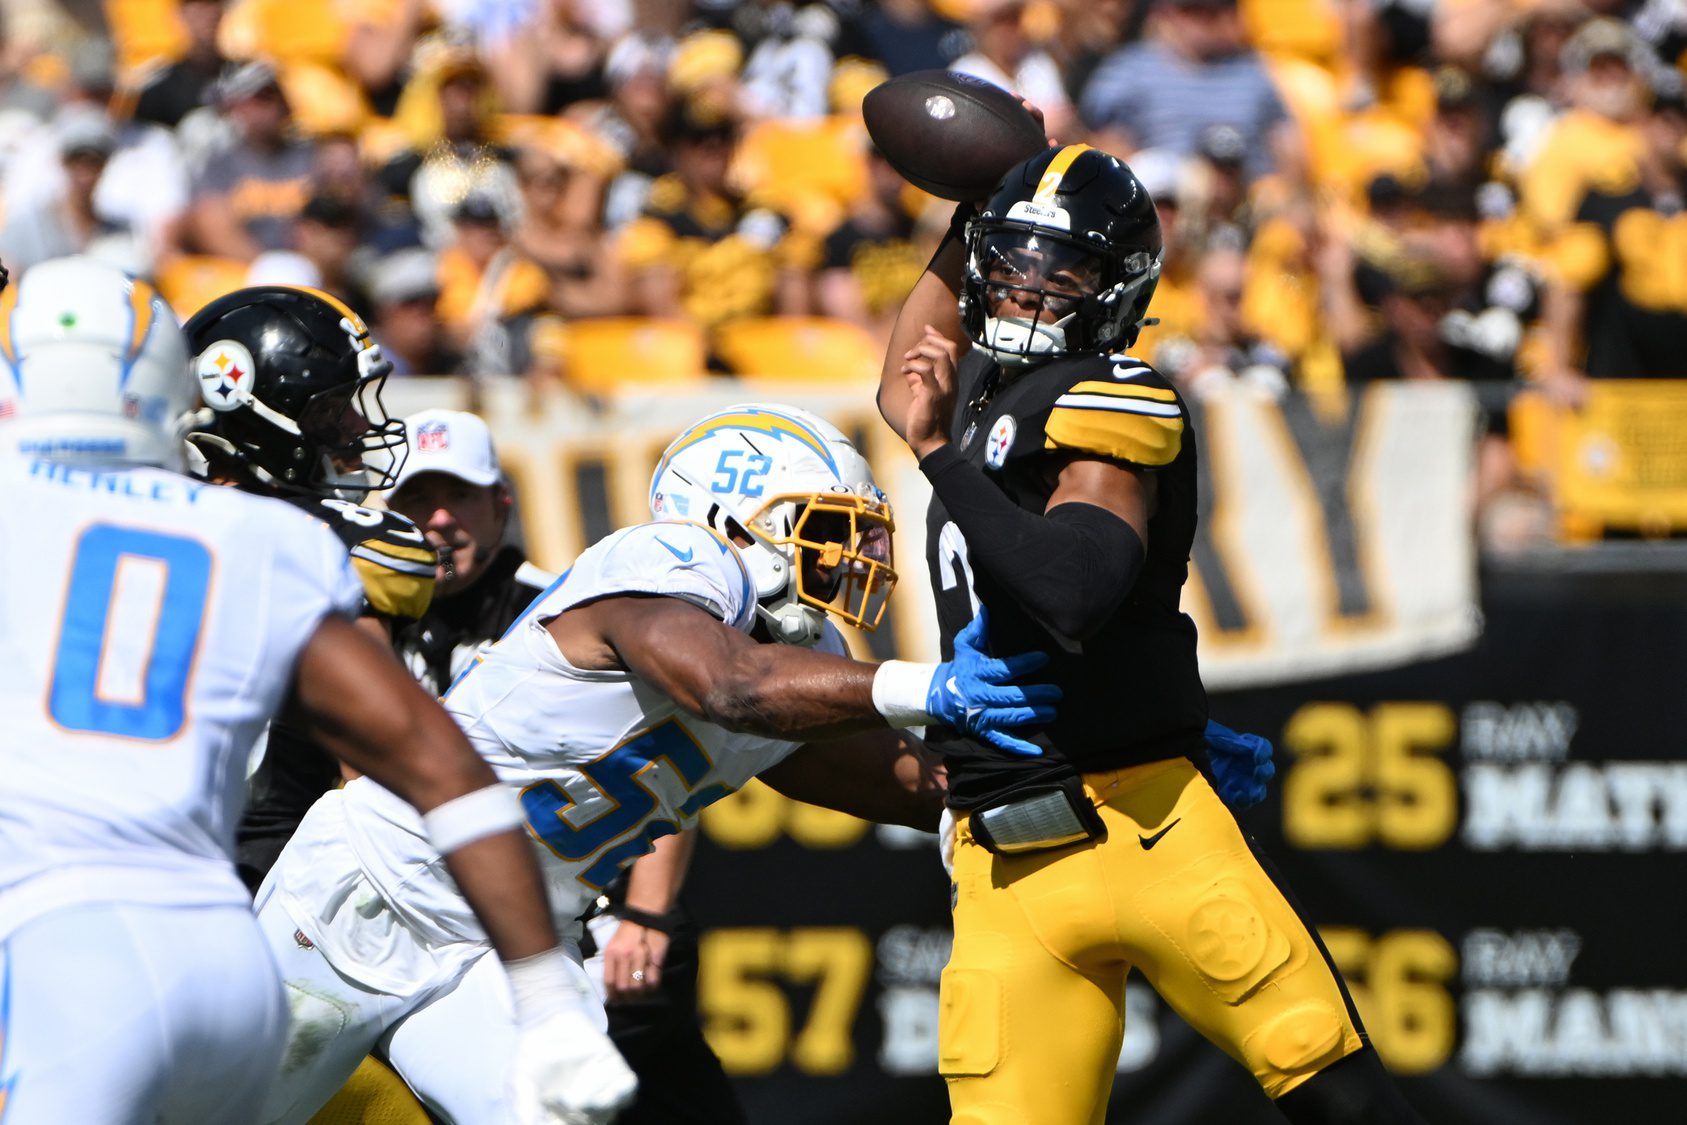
(605, 765)
(149, 626)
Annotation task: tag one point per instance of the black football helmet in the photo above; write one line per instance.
(291, 382)
(1069, 232)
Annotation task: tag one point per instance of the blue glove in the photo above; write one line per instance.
(973, 692)
(1241, 765)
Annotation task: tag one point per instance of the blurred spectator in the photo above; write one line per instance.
(560, 204)
(1223, 212)
(699, 250)
(144, 185)
(1414, 342)
(1176, 308)
(404, 290)
(1003, 53)
(1597, 140)
(183, 86)
(482, 278)
(907, 35)
(380, 37)
(790, 60)
(20, 92)
(1193, 70)
(327, 236)
(872, 260)
(556, 58)
(631, 122)
(1222, 352)
(447, 110)
(70, 224)
(1619, 309)
(248, 196)
(1087, 32)
(1456, 141)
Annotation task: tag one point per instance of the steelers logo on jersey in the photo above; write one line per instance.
(1001, 441)
(226, 373)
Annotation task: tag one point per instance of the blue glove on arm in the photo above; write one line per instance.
(973, 692)
(1242, 765)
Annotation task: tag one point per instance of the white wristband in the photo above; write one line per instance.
(900, 688)
(544, 984)
(463, 820)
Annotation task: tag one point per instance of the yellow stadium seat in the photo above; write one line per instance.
(144, 31)
(191, 282)
(605, 354)
(808, 170)
(791, 348)
(1618, 463)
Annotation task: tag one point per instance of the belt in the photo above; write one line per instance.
(1037, 820)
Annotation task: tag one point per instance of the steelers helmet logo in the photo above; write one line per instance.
(226, 373)
(1001, 441)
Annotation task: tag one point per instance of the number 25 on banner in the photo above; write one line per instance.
(1370, 778)
(747, 1014)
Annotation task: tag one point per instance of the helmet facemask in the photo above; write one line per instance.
(837, 548)
(361, 447)
(1032, 294)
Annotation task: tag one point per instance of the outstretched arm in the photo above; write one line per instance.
(884, 776)
(934, 301)
(717, 673)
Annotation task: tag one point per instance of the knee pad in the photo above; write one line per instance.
(1294, 1043)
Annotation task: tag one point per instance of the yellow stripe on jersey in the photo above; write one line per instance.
(1049, 185)
(403, 557)
(1125, 421)
(389, 591)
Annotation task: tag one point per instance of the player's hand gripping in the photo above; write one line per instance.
(1241, 764)
(976, 692)
(567, 1072)
(929, 368)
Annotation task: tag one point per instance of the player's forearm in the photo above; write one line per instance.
(654, 880)
(1070, 567)
(499, 877)
(934, 300)
(776, 691)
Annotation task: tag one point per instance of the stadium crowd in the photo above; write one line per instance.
(1351, 190)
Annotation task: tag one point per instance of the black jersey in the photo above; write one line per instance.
(396, 566)
(1133, 689)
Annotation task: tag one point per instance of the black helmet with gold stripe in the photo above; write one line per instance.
(1062, 260)
(291, 383)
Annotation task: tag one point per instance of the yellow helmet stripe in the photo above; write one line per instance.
(8, 303)
(338, 306)
(141, 314)
(1056, 171)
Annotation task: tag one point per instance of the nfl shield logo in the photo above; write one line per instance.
(1001, 440)
(433, 437)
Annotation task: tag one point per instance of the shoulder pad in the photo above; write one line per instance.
(388, 552)
(1118, 407)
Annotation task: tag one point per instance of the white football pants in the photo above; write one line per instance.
(452, 1044)
(129, 1014)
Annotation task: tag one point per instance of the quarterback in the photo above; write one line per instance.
(673, 662)
(149, 627)
(1064, 502)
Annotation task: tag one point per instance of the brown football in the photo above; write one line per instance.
(950, 134)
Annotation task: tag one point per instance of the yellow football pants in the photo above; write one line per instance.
(1033, 996)
(373, 1095)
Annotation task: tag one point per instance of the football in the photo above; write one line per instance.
(950, 134)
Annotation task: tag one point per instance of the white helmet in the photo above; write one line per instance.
(95, 368)
(790, 482)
